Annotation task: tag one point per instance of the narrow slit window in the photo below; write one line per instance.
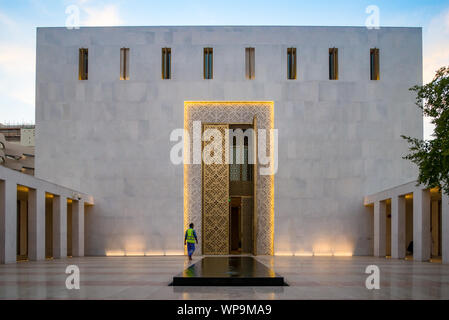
(83, 64)
(124, 64)
(374, 64)
(333, 64)
(291, 63)
(208, 63)
(250, 63)
(166, 63)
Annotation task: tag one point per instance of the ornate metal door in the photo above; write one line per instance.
(215, 207)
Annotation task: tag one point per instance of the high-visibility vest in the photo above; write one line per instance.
(190, 236)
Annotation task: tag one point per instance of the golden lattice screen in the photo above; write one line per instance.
(215, 200)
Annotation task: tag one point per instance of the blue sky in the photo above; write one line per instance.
(19, 18)
(230, 12)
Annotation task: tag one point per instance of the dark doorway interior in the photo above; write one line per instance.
(234, 225)
(48, 226)
(69, 228)
(241, 189)
(22, 226)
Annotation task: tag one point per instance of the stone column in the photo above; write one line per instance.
(36, 224)
(445, 227)
(380, 226)
(421, 225)
(59, 227)
(398, 227)
(8, 222)
(77, 228)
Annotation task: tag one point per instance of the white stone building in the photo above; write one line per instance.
(108, 99)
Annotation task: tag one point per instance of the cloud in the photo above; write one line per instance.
(17, 63)
(17, 59)
(436, 45)
(107, 15)
(17, 69)
(18, 55)
(6, 21)
(436, 55)
(97, 13)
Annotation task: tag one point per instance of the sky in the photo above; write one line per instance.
(19, 19)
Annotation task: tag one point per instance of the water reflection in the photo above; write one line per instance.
(228, 267)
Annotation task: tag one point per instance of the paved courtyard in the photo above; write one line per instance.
(148, 278)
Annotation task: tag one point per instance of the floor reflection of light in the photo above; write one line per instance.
(185, 296)
(115, 253)
(303, 254)
(285, 254)
(174, 253)
(135, 254)
(314, 254)
(154, 253)
(342, 254)
(322, 254)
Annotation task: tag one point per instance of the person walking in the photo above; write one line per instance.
(190, 239)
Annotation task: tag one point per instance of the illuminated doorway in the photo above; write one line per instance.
(206, 202)
(228, 189)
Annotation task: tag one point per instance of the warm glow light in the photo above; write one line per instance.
(134, 254)
(69, 200)
(304, 254)
(332, 248)
(154, 253)
(115, 253)
(164, 253)
(316, 254)
(174, 253)
(435, 190)
(22, 188)
(342, 254)
(49, 196)
(322, 254)
(284, 254)
(409, 196)
(228, 102)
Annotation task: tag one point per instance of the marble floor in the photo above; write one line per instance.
(148, 278)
